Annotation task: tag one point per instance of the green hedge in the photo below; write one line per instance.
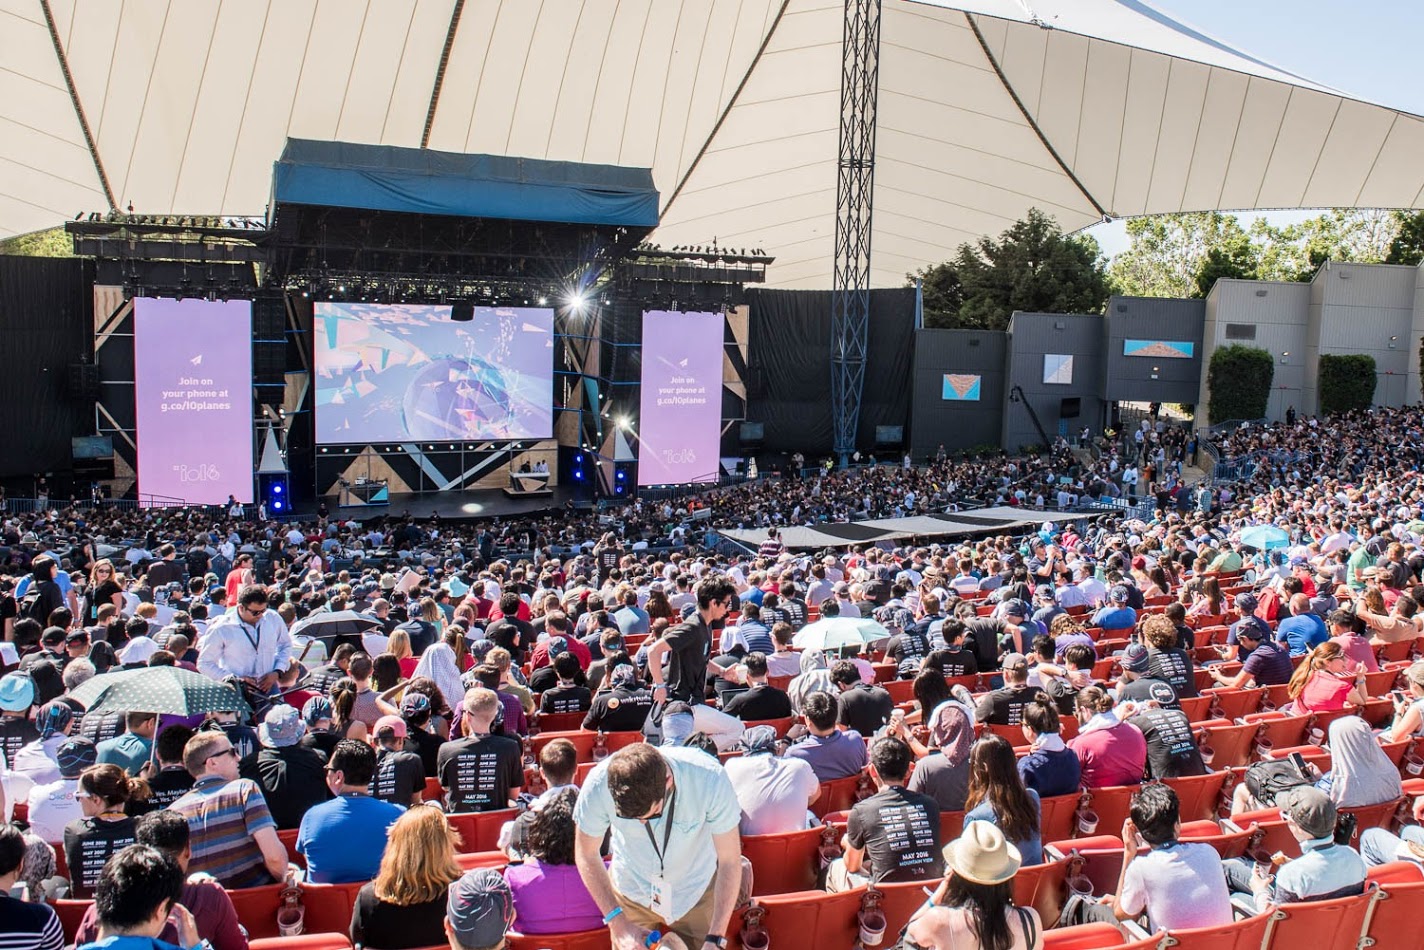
(1346, 382)
(1239, 383)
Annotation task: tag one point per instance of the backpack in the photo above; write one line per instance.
(1266, 780)
(32, 605)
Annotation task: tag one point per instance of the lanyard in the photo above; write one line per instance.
(667, 832)
(254, 637)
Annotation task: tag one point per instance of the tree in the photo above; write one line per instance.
(1407, 247)
(1238, 383)
(1168, 252)
(1033, 266)
(1297, 251)
(1233, 261)
(53, 242)
(1347, 382)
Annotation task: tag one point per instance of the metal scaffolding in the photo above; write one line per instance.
(855, 186)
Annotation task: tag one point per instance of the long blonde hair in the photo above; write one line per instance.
(1319, 659)
(399, 645)
(419, 864)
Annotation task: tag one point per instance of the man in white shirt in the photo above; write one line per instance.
(774, 792)
(250, 642)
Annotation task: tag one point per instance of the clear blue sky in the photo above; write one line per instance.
(1369, 49)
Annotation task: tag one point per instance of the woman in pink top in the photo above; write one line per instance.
(549, 895)
(1349, 631)
(1111, 752)
(1326, 681)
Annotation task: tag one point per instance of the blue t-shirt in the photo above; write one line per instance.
(130, 943)
(1031, 848)
(343, 839)
(1302, 633)
(1115, 618)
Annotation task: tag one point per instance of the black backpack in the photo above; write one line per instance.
(1266, 780)
(32, 605)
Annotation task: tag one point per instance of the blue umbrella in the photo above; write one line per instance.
(1264, 537)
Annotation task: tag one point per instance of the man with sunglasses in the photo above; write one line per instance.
(249, 642)
(677, 862)
(233, 836)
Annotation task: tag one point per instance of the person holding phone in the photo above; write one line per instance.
(1408, 706)
(1327, 681)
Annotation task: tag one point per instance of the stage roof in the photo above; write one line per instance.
(1082, 108)
(998, 520)
(426, 181)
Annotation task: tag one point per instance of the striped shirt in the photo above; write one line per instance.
(25, 926)
(222, 819)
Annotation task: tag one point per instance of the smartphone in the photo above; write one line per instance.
(1299, 761)
(1397, 695)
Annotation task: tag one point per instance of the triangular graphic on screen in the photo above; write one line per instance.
(961, 386)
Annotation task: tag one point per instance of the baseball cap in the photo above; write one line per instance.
(52, 635)
(17, 692)
(414, 704)
(390, 726)
(77, 636)
(1118, 594)
(281, 727)
(688, 610)
(557, 646)
(1310, 808)
(1246, 603)
(1015, 608)
(75, 755)
(1011, 660)
(1135, 658)
(1299, 562)
(480, 908)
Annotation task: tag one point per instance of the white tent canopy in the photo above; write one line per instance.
(1080, 107)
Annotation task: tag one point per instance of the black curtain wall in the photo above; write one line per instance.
(46, 324)
(789, 367)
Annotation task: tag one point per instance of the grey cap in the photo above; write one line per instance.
(1310, 808)
(1135, 658)
(1246, 603)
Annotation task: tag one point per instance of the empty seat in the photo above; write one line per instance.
(257, 909)
(479, 831)
(840, 794)
(560, 722)
(1230, 742)
(1333, 923)
(1112, 803)
(1092, 936)
(306, 941)
(1198, 796)
(799, 919)
(1228, 843)
(1394, 918)
(1245, 934)
(71, 914)
(783, 863)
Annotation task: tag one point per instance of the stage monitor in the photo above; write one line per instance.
(411, 373)
(751, 433)
(193, 399)
(680, 418)
(88, 447)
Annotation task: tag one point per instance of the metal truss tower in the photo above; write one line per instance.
(855, 188)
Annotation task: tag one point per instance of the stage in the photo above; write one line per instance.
(451, 506)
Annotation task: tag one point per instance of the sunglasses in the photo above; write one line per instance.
(218, 755)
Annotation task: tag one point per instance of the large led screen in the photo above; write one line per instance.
(193, 399)
(681, 407)
(407, 372)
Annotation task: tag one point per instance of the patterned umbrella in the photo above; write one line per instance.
(334, 623)
(158, 689)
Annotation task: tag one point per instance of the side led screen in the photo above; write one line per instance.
(193, 399)
(680, 422)
(408, 372)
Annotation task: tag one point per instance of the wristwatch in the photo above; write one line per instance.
(716, 940)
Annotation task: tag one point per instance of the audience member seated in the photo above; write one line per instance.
(1326, 681)
(170, 781)
(137, 897)
(1361, 774)
(483, 771)
(105, 828)
(400, 775)
(997, 795)
(1166, 660)
(480, 911)
(342, 839)
(894, 834)
(1303, 630)
(1324, 870)
(774, 792)
(1172, 750)
(830, 752)
(1110, 752)
(1266, 663)
(1408, 708)
(815, 677)
(942, 771)
(290, 775)
(549, 894)
(1004, 706)
(1062, 685)
(1050, 768)
(865, 707)
(624, 707)
(132, 749)
(212, 909)
(26, 923)
(55, 805)
(761, 700)
(566, 696)
(1137, 685)
(558, 765)
(404, 906)
(233, 836)
(973, 907)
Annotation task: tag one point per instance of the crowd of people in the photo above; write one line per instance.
(680, 668)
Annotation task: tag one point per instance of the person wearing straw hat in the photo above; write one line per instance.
(973, 907)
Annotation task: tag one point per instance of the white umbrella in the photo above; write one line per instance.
(833, 633)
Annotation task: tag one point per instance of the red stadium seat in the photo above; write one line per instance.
(328, 906)
(471, 860)
(1231, 743)
(582, 740)
(71, 915)
(1058, 817)
(898, 902)
(1371, 816)
(1278, 728)
(1197, 708)
(951, 825)
(1394, 918)
(1394, 652)
(1112, 803)
(782, 863)
(1092, 936)
(479, 830)
(560, 722)
(780, 725)
(800, 919)
(1043, 887)
(257, 909)
(840, 794)
(1014, 734)
(1098, 858)
(288, 838)
(1313, 755)
(433, 792)
(1232, 704)
(1245, 934)
(1395, 872)
(580, 940)
(1269, 831)
(1333, 923)
(1229, 844)
(307, 941)
(902, 691)
(1199, 796)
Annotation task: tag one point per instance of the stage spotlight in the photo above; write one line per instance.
(543, 301)
(576, 300)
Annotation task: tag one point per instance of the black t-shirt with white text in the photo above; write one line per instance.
(619, 710)
(400, 776)
(566, 699)
(899, 831)
(477, 773)
(88, 843)
(1171, 748)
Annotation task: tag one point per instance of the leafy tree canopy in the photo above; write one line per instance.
(53, 242)
(1033, 266)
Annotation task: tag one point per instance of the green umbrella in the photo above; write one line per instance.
(158, 689)
(833, 633)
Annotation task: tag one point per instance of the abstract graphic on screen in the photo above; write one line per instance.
(407, 372)
(193, 399)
